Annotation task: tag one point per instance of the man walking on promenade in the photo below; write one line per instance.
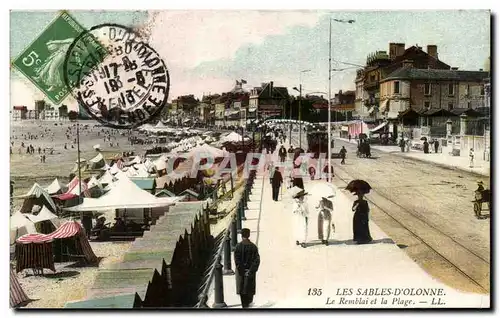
(343, 153)
(282, 153)
(247, 260)
(276, 181)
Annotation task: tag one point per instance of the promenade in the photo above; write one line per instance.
(441, 159)
(341, 275)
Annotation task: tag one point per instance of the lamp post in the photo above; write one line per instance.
(330, 91)
(300, 105)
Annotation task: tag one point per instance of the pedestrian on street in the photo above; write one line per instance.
(360, 228)
(325, 209)
(276, 181)
(343, 153)
(471, 157)
(282, 153)
(247, 260)
(301, 218)
(436, 146)
(349, 137)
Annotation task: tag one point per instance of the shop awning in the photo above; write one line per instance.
(378, 127)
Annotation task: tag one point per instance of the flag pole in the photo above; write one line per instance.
(78, 155)
(329, 101)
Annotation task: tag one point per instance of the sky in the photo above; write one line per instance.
(206, 51)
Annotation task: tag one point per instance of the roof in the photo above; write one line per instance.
(408, 113)
(467, 111)
(144, 183)
(165, 193)
(434, 74)
(190, 192)
(436, 112)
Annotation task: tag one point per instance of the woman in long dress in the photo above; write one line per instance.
(360, 228)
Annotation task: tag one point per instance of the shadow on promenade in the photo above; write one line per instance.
(351, 242)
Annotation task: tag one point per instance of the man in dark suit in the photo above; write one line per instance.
(247, 260)
(282, 153)
(276, 181)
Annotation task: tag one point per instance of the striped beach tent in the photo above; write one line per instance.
(17, 294)
(31, 254)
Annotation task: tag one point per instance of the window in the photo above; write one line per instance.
(372, 78)
(396, 87)
(450, 106)
(427, 88)
(469, 105)
(482, 90)
(451, 89)
(427, 105)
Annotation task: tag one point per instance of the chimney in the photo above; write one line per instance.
(396, 49)
(271, 87)
(407, 63)
(432, 50)
(454, 68)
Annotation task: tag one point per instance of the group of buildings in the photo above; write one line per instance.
(42, 111)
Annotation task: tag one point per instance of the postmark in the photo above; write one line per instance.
(123, 86)
(42, 61)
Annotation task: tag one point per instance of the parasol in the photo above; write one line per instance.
(423, 138)
(358, 186)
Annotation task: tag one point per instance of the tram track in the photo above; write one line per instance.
(437, 252)
(464, 260)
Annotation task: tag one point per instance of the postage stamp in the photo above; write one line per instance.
(42, 61)
(122, 86)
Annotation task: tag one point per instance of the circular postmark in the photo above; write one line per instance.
(116, 77)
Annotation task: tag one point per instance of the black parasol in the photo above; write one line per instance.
(358, 186)
(423, 138)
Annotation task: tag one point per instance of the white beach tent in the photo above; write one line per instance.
(233, 137)
(205, 151)
(97, 162)
(20, 225)
(37, 191)
(44, 215)
(123, 194)
(56, 187)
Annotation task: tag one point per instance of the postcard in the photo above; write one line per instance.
(250, 159)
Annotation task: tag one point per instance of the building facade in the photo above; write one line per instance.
(268, 100)
(380, 65)
(19, 112)
(421, 90)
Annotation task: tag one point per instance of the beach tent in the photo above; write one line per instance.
(17, 294)
(123, 194)
(233, 137)
(37, 196)
(70, 237)
(106, 178)
(74, 190)
(44, 216)
(56, 187)
(93, 182)
(20, 225)
(207, 151)
(97, 162)
(83, 165)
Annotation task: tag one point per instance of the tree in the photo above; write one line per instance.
(72, 115)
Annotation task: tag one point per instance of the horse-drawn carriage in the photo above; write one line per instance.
(363, 150)
(481, 196)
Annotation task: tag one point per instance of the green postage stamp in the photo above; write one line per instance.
(43, 60)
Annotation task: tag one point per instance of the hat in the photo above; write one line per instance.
(480, 182)
(300, 194)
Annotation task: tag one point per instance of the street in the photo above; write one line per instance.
(427, 210)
